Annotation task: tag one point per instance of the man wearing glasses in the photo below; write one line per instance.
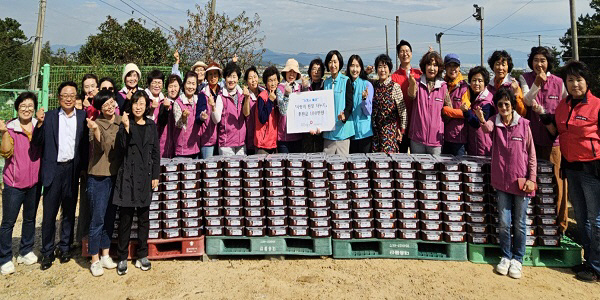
(63, 137)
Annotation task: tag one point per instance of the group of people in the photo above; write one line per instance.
(112, 140)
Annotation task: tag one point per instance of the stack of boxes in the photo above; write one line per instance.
(229, 194)
(452, 199)
(548, 233)
(430, 204)
(276, 191)
(406, 195)
(476, 185)
(189, 206)
(340, 194)
(384, 195)
(253, 201)
(297, 213)
(212, 193)
(319, 211)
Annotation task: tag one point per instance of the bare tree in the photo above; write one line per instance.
(238, 36)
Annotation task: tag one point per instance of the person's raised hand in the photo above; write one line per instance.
(185, 114)
(40, 115)
(246, 92)
(210, 100)
(369, 69)
(91, 124)
(3, 128)
(272, 95)
(464, 107)
(365, 93)
(125, 120)
(176, 55)
(204, 115)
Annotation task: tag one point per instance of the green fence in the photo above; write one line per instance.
(58, 74)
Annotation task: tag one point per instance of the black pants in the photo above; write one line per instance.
(405, 144)
(126, 219)
(289, 147)
(62, 193)
(361, 146)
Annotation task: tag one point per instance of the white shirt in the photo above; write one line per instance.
(67, 129)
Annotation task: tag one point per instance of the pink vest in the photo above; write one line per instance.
(21, 170)
(454, 129)
(282, 134)
(427, 126)
(208, 132)
(509, 154)
(232, 128)
(479, 142)
(188, 139)
(165, 133)
(250, 120)
(548, 97)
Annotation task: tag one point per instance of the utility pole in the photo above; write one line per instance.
(397, 41)
(574, 43)
(387, 47)
(438, 39)
(37, 47)
(213, 5)
(478, 15)
(539, 40)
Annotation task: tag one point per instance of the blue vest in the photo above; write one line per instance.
(341, 131)
(362, 122)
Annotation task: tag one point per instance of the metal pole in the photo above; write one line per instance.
(539, 40)
(397, 41)
(213, 5)
(37, 47)
(387, 48)
(574, 43)
(45, 88)
(438, 39)
(481, 34)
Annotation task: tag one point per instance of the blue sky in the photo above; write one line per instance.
(301, 26)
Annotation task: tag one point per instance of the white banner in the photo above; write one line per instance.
(311, 110)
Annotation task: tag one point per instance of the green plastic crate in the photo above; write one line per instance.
(567, 255)
(288, 245)
(397, 248)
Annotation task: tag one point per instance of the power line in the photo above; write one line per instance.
(116, 8)
(146, 16)
(458, 23)
(173, 7)
(72, 17)
(157, 18)
(533, 31)
(516, 11)
(16, 45)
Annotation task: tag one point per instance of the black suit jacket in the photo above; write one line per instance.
(46, 136)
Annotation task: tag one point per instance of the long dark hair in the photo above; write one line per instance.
(362, 75)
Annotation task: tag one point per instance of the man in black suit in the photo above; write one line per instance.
(62, 132)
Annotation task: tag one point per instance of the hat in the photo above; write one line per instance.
(291, 64)
(451, 58)
(199, 64)
(403, 43)
(131, 67)
(214, 66)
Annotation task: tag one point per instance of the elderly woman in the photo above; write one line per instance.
(313, 142)
(131, 78)
(501, 64)
(430, 96)
(337, 141)
(251, 92)
(291, 83)
(514, 171)
(543, 91)
(103, 166)
(187, 131)
(206, 105)
(363, 106)
(455, 131)
(265, 121)
(20, 177)
(478, 142)
(389, 111)
(577, 118)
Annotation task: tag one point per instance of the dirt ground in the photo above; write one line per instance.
(300, 278)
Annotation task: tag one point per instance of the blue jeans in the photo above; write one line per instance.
(99, 193)
(512, 209)
(207, 151)
(584, 193)
(418, 148)
(12, 199)
(455, 149)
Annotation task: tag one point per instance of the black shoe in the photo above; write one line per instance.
(63, 257)
(46, 262)
(578, 268)
(587, 275)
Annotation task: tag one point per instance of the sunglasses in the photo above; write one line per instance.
(108, 89)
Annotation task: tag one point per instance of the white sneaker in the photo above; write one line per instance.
(96, 269)
(107, 262)
(29, 259)
(502, 267)
(515, 269)
(7, 268)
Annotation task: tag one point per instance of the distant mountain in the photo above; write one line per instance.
(68, 48)
(271, 57)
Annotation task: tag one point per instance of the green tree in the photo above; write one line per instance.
(589, 49)
(15, 60)
(228, 37)
(120, 44)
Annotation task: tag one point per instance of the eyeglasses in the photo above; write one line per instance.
(107, 89)
(65, 96)
(26, 107)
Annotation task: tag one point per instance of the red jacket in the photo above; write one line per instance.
(578, 129)
(265, 135)
(400, 78)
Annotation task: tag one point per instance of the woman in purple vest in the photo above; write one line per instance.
(455, 131)
(187, 131)
(206, 105)
(291, 83)
(20, 176)
(514, 171)
(478, 142)
(543, 91)
(251, 92)
(430, 95)
(228, 114)
(161, 112)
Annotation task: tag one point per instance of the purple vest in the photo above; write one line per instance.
(427, 126)
(188, 139)
(208, 132)
(282, 134)
(549, 95)
(479, 142)
(454, 129)
(509, 154)
(232, 128)
(21, 170)
(250, 126)
(165, 133)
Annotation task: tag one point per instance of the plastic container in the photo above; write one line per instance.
(255, 231)
(408, 224)
(173, 214)
(475, 207)
(406, 194)
(547, 220)
(361, 194)
(546, 189)
(275, 192)
(475, 198)
(383, 184)
(211, 174)
(454, 237)
(405, 174)
(277, 211)
(388, 214)
(546, 210)
(232, 211)
(385, 224)
(383, 174)
(548, 240)
(232, 173)
(318, 202)
(336, 165)
(154, 234)
(383, 194)
(341, 214)
(548, 230)
(451, 186)
(408, 204)
(318, 174)
(545, 179)
(318, 212)
(342, 234)
(170, 223)
(214, 230)
(453, 216)
(155, 205)
(544, 199)
(253, 193)
(320, 232)
(407, 214)
(297, 201)
(276, 201)
(298, 221)
(428, 195)
(277, 221)
(452, 206)
(430, 205)
(212, 164)
(173, 195)
(364, 233)
(295, 162)
(429, 235)
(214, 221)
(295, 172)
(298, 230)
(232, 192)
(341, 224)
(317, 183)
(255, 221)
(409, 234)
(254, 212)
(362, 214)
(169, 186)
(428, 175)
(254, 202)
(544, 167)
(168, 205)
(430, 215)
(254, 183)
(479, 218)
(232, 162)
(378, 164)
(454, 227)
(473, 178)
(386, 234)
(340, 195)
(450, 176)
(169, 177)
(474, 188)
(233, 182)
(171, 233)
(234, 221)
(298, 211)
(275, 161)
(432, 185)
(338, 185)
(318, 193)
(477, 228)
(296, 182)
(340, 204)
(251, 173)
(169, 167)
(451, 196)
(315, 163)
(406, 184)
(384, 203)
(277, 231)
(477, 238)
(234, 231)
(361, 204)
